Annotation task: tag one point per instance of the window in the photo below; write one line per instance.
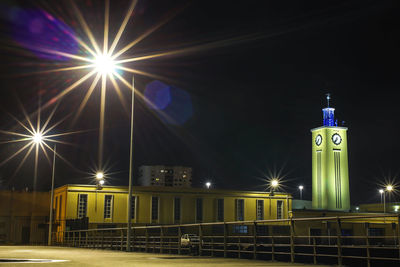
(220, 210)
(59, 207)
(154, 208)
(82, 205)
(56, 208)
(260, 209)
(177, 209)
(133, 207)
(108, 206)
(240, 229)
(240, 209)
(279, 209)
(199, 209)
(376, 232)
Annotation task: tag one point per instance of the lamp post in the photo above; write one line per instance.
(129, 223)
(381, 192)
(301, 191)
(52, 196)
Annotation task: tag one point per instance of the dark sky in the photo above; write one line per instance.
(256, 75)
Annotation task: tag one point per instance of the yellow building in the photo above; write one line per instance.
(24, 217)
(107, 207)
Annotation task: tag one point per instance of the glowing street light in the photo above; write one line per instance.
(301, 191)
(37, 138)
(104, 64)
(208, 184)
(381, 191)
(274, 183)
(99, 175)
(388, 188)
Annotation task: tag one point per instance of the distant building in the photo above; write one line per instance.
(160, 175)
(20, 221)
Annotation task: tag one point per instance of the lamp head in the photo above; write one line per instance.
(301, 187)
(37, 138)
(389, 188)
(208, 184)
(274, 183)
(99, 175)
(104, 64)
(381, 191)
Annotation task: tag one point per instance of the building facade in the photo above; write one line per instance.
(160, 175)
(330, 174)
(24, 217)
(154, 205)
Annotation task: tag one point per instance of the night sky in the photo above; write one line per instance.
(243, 97)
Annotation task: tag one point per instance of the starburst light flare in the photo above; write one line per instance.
(34, 137)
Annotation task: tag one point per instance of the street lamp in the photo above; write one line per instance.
(130, 191)
(52, 196)
(208, 184)
(388, 188)
(99, 175)
(301, 191)
(381, 192)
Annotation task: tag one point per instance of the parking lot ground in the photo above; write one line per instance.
(93, 257)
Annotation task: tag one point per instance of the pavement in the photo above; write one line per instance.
(92, 257)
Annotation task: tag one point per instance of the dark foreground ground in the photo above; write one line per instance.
(91, 257)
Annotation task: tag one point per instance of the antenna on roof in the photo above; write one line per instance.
(328, 97)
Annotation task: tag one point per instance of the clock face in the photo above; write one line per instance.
(336, 139)
(318, 140)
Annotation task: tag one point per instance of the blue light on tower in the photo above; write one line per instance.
(328, 114)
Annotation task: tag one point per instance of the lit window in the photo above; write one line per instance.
(240, 209)
(260, 209)
(279, 209)
(107, 206)
(82, 205)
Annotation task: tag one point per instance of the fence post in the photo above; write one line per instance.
(314, 250)
(225, 237)
(79, 239)
(367, 244)
(147, 241)
(179, 239)
(122, 239)
(102, 239)
(200, 239)
(86, 238)
(398, 235)
(255, 240)
(161, 239)
(272, 244)
(339, 246)
(291, 240)
(73, 239)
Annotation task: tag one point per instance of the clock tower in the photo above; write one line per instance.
(330, 172)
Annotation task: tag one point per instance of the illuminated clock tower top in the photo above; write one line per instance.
(328, 114)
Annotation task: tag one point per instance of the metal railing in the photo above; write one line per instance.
(364, 240)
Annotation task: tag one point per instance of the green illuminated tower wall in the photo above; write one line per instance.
(330, 175)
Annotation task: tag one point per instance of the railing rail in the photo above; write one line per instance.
(318, 240)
